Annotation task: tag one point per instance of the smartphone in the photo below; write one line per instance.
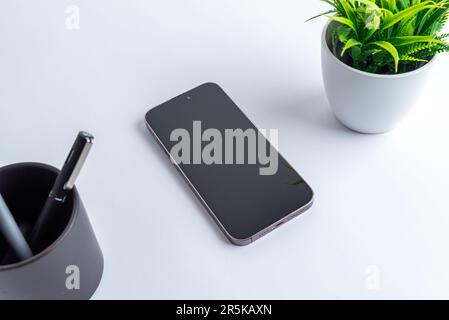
(246, 186)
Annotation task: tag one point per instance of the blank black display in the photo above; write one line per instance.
(244, 201)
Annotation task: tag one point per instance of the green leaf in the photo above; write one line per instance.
(356, 53)
(391, 49)
(404, 3)
(322, 14)
(344, 21)
(350, 14)
(369, 3)
(297, 182)
(389, 4)
(388, 23)
(406, 40)
(342, 33)
(412, 59)
(351, 43)
(430, 20)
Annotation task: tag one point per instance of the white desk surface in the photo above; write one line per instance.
(382, 201)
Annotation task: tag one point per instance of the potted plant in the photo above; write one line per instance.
(375, 56)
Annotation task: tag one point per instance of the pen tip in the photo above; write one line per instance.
(86, 135)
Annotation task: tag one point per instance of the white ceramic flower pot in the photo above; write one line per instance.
(366, 102)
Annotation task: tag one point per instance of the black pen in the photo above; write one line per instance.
(64, 183)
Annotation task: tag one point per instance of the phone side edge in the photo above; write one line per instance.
(284, 220)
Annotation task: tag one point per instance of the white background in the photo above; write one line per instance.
(382, 206)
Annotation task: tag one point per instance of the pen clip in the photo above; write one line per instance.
(77, 169)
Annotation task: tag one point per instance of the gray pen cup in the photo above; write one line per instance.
(70, 265)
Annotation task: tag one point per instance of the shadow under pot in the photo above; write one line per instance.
(68, 262)
(367, 102)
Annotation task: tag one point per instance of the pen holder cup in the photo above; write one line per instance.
(70, 262)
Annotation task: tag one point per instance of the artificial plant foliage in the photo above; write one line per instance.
(387, 36)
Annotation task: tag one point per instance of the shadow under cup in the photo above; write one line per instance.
(68, 262)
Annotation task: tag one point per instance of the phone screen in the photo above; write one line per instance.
(243, 181)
